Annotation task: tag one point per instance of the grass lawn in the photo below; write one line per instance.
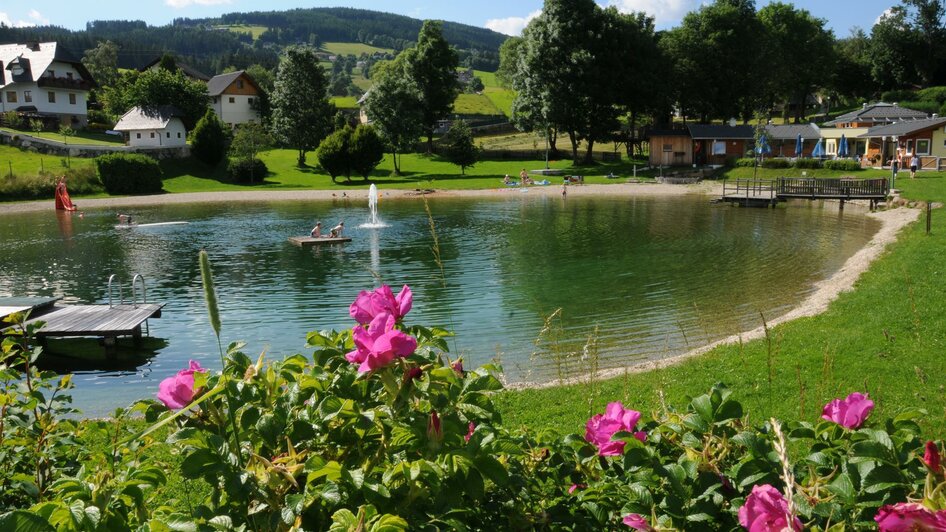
(500, 96)
(81, 137)
(344, 102)
(475, 104)
(352, 48)
(533, 141)
(419, 171)
(887, 337)
(772, 173)
(24, 162)
(254, 31)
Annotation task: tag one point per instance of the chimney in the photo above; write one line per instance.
(864, 105)
(32, 45)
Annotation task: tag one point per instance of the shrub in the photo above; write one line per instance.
(776, 162)
(98, 127)
(129, 173)
(935, 94)
(807, 163)
(12, 119)
(742, 162)
(458, 146)
(209, 139)
(247, 170)
(100, 117)
(366, 150)
(845, 165)
(929, 107)
(333, 153)
(36, 125)
(898, 95)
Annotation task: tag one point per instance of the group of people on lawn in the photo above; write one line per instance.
(896, 164)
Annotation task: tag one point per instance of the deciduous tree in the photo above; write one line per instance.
(459, 147)
(394, 107)
(209, 139)
(432, 64)
(302, 114)
(102, 63)
(366, 150)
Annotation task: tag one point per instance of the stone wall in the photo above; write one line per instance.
(56, 148)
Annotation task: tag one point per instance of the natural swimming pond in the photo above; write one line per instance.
(654, 276)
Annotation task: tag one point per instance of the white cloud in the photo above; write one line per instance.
(38, 17)
(6, 21)
(178, 4)
(665, 12)
(511, 25)
(887, 12)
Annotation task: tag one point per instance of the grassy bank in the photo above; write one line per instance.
(886, 337)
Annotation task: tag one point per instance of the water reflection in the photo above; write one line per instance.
(654, 275)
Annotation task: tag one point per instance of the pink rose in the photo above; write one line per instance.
(766, 510)
(378, 345)
(600, 428)
(575, 487)
(178, 391)
(909, 517)
(850, 413)
(458, 366)
(434, 428)
(469, 432)
(368, 305)
(637, 522)
(931, 457)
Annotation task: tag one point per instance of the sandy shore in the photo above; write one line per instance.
(623, 189)
(892, 222)
(826, 291)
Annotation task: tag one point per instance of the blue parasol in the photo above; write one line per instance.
(819, 150)
(762, 147)
(842, 147)
(799, 146)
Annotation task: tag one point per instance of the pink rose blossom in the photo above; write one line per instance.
(575, 487)
(637, 522)
(909, 517)
(469, 433)
(766, 510)
(600, 428)
(434, 428)
(412, 373)
(368, 305)
(931, 457)
(458, 366)
(378, 345)
(178, 391)
(850, 413)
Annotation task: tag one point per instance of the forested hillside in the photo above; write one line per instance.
(200, 43)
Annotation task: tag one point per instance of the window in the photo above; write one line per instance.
(52, 97)
(68, 75)
(178, 134)
(72, 98)
(11, 96)
(668, 147)
(249, 101)
(910, 146)
(27, 96)
(719, 147)
(831, 147)
(52, 73)
(239, 83)
(169, 134)
(138, 134)
(152, 134)
(232, 99)
(922, 146)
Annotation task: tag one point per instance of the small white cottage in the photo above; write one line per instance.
(153, 127)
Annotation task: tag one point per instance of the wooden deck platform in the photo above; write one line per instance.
(304, 241)
(35, 305)
(769, 192)
(101, 321)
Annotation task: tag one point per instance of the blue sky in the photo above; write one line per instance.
(502, 15)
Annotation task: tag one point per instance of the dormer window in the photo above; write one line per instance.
(51, 73)
(239, 83)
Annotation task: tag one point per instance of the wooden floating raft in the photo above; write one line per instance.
(102, 321)
(305, 241)
(34, 305)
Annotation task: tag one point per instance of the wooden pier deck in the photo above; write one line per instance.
(34, 305)
(769, 192)
(304, 241)
(103, 321)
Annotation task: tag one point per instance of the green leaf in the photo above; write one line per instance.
(843, 487)
(24, 521)
(389, 523)
(343, 521)
(492, 469)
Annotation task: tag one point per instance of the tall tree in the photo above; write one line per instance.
(433, 66)
(209, 139)
(459, 147)
(394, 107)
(153, 88)
(929, 39)
(851, 77)
(102, 62)
(509, 54)
(302, 114)
(891, 50)
(805, 52)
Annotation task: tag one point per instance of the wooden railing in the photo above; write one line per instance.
(813, 187)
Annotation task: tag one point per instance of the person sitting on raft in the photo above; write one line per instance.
(316, 231)
(124, 219)
(336, 231)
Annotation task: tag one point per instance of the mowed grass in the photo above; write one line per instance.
(353, 48)
(91, 138)
(344, 102)
(419, 171)
(475, 104)
(29, 163)
(500, 96)
(887, 337)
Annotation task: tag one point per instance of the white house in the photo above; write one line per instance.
(44, 81)
(153, 127)
(234, 97)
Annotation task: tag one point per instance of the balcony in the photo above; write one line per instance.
(64, 83)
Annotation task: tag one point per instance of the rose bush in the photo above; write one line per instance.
(376, 428)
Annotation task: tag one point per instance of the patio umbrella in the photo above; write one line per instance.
(842, 147)
(799, 146)
(762, 147)
(819, 150)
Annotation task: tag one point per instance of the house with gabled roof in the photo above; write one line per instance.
(42, 80)
(153, 127)
(234, 97)
(188, 70)
(925, 138)
(875, 114)
(782, 139)
(699, 144)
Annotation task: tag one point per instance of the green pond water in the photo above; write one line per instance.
(648, 277)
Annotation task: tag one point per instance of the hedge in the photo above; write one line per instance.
(129, 173)
(247, 170)
(807, 163)
(846, 165)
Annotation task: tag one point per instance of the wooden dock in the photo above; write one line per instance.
(103, 321)
(305, 241)
(33, 305)
(770, 192)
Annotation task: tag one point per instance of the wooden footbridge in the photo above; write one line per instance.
(770, 192)
(106, 321)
